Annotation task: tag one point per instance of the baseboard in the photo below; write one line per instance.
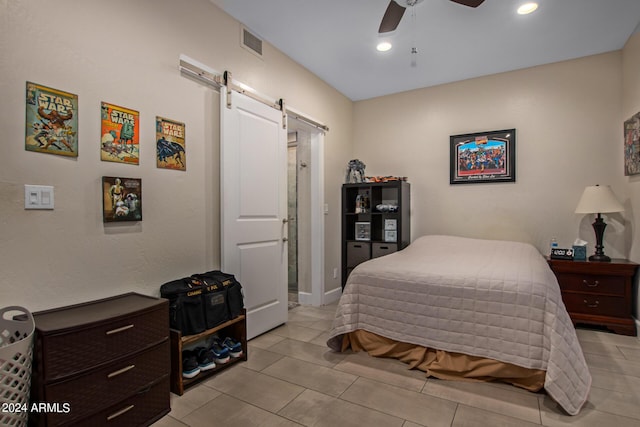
(637, 328)
(332, 295)
(305, 298)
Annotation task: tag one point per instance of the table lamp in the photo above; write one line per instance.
(598, 199)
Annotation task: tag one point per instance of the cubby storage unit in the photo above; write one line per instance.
(388, 231)
(235, 328)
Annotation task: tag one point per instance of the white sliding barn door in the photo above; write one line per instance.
(253, 204)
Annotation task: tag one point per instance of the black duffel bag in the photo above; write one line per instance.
(186, 311)
(232, 288)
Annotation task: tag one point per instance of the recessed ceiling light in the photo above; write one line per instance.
(527, 8)
(383, 46)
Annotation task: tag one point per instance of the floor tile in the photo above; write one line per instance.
(611, 364)
(320, 354)
(485, 396)
(388, 371)
(319, 410)
(169, 421)
(615, 402)
(265, 340)
(409, 405)
(259, 359)
(255, 388)
(553, 416)
(311, 376)
(295, 332)
(607, 338)
(601, 349)
(191, 400)
(229, 411)
(467, 416)
(630, 353)
(619, 382)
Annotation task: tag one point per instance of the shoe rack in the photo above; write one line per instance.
(234, 328)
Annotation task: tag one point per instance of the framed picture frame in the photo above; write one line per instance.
(632, 145)
(121, 199)
(483, 157)
(363, 231)
(390, 224)
(390, 236)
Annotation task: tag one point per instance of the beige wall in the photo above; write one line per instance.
(631, 106)
(126, 53)
(567, 118)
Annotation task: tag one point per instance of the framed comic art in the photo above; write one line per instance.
(632, 145)
(51, 121)
(483, 157)
(170, 144)
(121, 199)
(120, 134)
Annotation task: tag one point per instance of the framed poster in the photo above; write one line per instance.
(632, 145)
(120, 134)
(51, 121)
(483, 157)
(170, 144)
(121, 199)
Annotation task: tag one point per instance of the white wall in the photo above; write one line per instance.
(126, 53)
(567, 118)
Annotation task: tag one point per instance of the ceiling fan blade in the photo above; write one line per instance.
(470, 3)
(391, 17)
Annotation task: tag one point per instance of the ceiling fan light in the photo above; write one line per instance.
(527, 8)
(383, 46)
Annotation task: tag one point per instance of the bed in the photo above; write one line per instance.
(467, 308)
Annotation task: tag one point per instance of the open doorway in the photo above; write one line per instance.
(299, 216)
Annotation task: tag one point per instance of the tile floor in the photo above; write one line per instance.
(293, 379)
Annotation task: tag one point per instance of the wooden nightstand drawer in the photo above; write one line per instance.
(599, 305)
(600, 284)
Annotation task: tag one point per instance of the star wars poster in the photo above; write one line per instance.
(51, 121)
(120, 134)
(121, 199)
(632, 146)
(170, 144)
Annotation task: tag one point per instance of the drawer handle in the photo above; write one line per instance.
(593, 305)
(384, 247)
(121, 371)
(586, 283)
(357, 246)
(117, 330)
(120, 412)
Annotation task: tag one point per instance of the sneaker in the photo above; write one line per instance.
(234, 347)
(220, 353)
(205, 359)
(190, 365)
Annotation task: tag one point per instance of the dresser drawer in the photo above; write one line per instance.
(382, 249)
(600, 284)
(599, 305)
(82, 349)
(147, 405)
(106, 386)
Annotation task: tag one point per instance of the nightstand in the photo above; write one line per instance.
(598, 293)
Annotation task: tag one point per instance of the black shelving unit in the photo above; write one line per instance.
(357, 245)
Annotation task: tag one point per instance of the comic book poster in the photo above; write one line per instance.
(120, 134)
(632, 146)
(121, 199)
(51, 121)
(170, 144)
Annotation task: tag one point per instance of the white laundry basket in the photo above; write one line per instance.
(16, 351)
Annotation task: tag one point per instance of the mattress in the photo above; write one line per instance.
(486, 298)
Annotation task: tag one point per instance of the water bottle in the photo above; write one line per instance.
(554, 244)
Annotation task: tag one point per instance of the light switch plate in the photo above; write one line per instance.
(38, 196)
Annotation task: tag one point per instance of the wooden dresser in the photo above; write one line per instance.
(102, 363)
(598, 293)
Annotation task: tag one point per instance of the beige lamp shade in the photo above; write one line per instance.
(598, 199)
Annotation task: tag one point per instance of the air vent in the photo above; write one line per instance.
(251, 42)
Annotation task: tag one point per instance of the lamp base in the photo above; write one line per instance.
(599, 258)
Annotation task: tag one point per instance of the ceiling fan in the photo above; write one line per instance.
(396, 9)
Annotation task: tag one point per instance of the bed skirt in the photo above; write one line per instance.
(442, 364)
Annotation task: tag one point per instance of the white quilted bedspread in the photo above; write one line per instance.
(486, 298)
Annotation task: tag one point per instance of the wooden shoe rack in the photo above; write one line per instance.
(235, 328)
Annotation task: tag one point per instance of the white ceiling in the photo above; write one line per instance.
(335, 39)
